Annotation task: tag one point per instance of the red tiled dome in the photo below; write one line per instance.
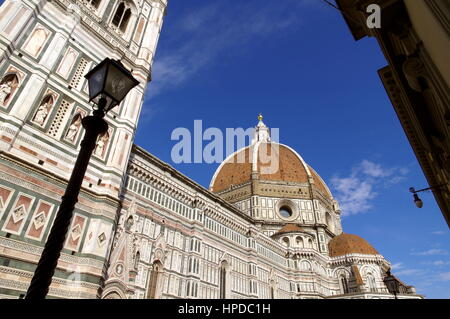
(345, 244)
(237, 169)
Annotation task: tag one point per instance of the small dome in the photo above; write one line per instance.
(289, 228)
(346, 244)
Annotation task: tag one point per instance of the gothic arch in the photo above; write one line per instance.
(223, 279)
(8, 87)
(370, 277)
(123, 17)
(137, 259)
(341, 271)
(42, 113)
(343, 284)
(273, 288)
(343, 276)
(155, 280)
(273, 285)
(310, 243)
(114, 290)
(322, 270)
(74, 128)
(367, 269)
(371, 282)
(113, 295)
(305, 265)
(300, 242)
(36, 41)
(102, 145)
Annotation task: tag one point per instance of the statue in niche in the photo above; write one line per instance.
(42, 112)
(7, 87)
(101, 144)
(5, 91)
(129, 223)
(74, 128)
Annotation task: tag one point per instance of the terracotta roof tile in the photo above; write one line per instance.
(289, 169)
(289, 228)
(345, 244)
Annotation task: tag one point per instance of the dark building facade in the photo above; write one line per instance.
(415, 39)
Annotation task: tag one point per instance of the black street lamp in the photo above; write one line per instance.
(417, 200)
(109, 83)
(391, 283)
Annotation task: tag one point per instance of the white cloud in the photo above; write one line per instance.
(356, 191)
(445, 276)
(404, 171)
(431, 252)
(205, 35)
(375, 170)
(409, 272)
(436, 263)
(353, 194)
(440, 263)
(439, 232)
(147, 113)
(397, 266)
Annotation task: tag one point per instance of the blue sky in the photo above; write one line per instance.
(295, 61)
(224, 62)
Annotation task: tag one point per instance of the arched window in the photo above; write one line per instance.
(122, 16)
(299, 241)
(286, 242)
(94, 3)
(188, 288)
(371, 282)
(137, 259)
(344, 284)
(310, 243)
(223, 279)
(190, 265)
(306, 266)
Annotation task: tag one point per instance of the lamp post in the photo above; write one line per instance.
(109, 82)
(391, 283)
(417, 200)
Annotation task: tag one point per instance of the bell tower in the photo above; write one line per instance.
(46, 48)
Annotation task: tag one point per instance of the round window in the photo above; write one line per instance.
(285, 212)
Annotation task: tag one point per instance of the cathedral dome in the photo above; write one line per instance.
(256, 159)
(345, 244)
